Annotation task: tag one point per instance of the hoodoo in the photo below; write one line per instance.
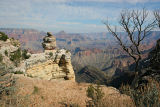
(49, 42)
(53, 63)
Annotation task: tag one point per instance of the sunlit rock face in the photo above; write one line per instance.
(53, 63)
(49, 42)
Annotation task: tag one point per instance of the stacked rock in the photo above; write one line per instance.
(49, 42)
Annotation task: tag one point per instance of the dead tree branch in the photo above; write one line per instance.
(136, 27)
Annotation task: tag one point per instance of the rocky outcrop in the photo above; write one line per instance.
(52, 63)
(6, 48)
(49, 42)
(56, 65)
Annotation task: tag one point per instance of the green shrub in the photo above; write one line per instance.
(50, 54)
(145, 96)
(95, 93)
(24, 54)
(30, 76)
(6, 52)
(9, 89)
(15, 43)
(18, 72)
(35, 90)
(42, 97)
(7, 82)
(16, 57)
(1, 58)
(3, 36)
(67, 51)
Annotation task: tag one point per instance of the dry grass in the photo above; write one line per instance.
(147, 95)
(56, 93)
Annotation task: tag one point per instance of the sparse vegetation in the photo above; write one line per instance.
(7, 86)
(65, 104)
(18, 72)
(67, 51)
(145, 96)
(42, 97)
(15, 44)
(35, 90)
(1, 58)
(96, 95)
(7, 81)
(30, 76)
(74, 105)
(16, 57)
(3, 36)
(25, 55)
(6, 52)
(50, 54)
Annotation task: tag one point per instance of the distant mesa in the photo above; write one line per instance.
(62, 33)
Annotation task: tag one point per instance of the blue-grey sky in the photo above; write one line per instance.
(68, 15)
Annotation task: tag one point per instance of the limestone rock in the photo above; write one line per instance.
(49, 33)
(52, 64)
(49, 42)
(8, 47)
(57, 66)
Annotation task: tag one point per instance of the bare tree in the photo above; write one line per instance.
(136, 26)
(157, 16)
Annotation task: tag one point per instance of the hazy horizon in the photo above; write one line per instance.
(72, 16)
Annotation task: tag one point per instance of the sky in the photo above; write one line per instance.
(72, 16)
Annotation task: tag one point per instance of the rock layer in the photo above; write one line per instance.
(49, 42)
(52, 63)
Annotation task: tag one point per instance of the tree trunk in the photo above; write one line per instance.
(137, 65)
(137, 73)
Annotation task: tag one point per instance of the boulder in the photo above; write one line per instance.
(49, 42)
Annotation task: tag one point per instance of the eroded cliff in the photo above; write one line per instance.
(53, 63)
